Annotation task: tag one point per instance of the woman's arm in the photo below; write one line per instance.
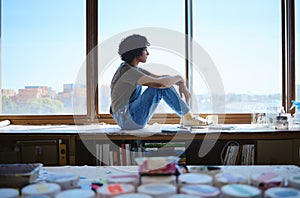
(160, 81)
(166, 82)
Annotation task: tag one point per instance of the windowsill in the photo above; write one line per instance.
(150, 129)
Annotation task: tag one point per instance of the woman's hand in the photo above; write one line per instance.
(183, 91)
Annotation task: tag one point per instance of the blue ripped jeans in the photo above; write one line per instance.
(137, 113)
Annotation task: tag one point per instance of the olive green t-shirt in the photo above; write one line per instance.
(124, 83)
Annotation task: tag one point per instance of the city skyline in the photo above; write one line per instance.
(76, 94)
(54, 41)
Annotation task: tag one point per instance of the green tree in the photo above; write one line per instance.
(43, 106)
(8, 106)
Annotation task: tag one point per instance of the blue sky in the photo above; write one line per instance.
(50, 49)
(243, 40)
(44, 50)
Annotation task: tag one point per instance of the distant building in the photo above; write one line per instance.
(33, 92)
(8, 93)
(72, 94)
(104, 98)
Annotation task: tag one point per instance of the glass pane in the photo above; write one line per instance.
(243, 39)
(43, 49)
(162, 22)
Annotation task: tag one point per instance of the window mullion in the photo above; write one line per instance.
(92, 58)
(290, 43)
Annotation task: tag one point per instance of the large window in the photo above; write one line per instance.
(243, 40)
(46, 70)
(155, 19)
(43, 48)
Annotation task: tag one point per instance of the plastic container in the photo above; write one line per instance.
(195, 179)
(66, 180)
(157, 165)
(82, 193)
(281, 123)
(294, 181)
(183, 196)
(132, 179)
(111, 190)
(266, 180)
(18, 175)
(209, 170)
(158, 190)
(222, 179)
(133, 195)
(282, 192)
(36, 196)
(206, 191)
(240, 191)
(170, 179)
(49, 189)
(9, 193)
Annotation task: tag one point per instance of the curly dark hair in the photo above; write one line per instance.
(132, 46)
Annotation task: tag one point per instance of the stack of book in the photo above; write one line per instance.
(239, 154)
(124, 155)
(247, 154)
